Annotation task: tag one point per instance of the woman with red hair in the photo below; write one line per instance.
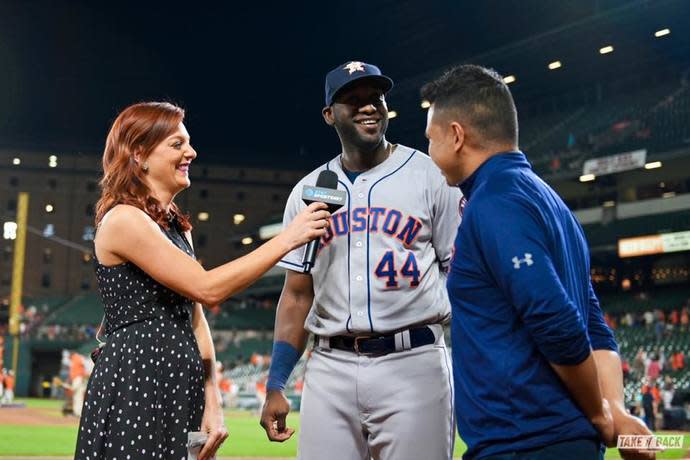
(154, 380)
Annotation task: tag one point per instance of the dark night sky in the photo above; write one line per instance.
(250, 77)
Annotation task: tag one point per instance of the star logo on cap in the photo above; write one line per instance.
(354, 66)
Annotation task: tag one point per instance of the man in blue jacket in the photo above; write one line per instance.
(536, 368)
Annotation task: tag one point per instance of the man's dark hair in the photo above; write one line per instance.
(480, 96)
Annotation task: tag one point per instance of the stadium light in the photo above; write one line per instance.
(49, 208)
(392, 114)
(509, 79)
(16, 161)
(237, 219)
(662, 33)
(606, 49)
(52, 161)
(555, 65)
(49, 231)
(267, 232)
(426, 104)
(9, 230)
(609, 204)
(202, 216)
(247, 240)
(587, 177)
(653, 165)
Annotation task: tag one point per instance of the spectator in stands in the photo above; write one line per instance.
(299, 385)
(3, 372)
(9, 382)
(684, 319)
(77, 381)
(667, 363)
(660, 315)
(648, 406)
(631, 319)
(678, 361)
(648, 318)
(659, 328)
(257, 360)
(260, 391)
(639, 364)
(661, 357)
(653, 368)
(667, 392)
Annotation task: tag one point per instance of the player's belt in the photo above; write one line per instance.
(377, 345)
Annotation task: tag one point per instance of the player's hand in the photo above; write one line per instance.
(275, 410)
(213, 423)
(627, 424)
(308, 225)
(604, 425)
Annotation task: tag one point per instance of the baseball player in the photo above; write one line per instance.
(378, 384)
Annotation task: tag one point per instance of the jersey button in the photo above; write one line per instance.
(361, 195)
(359, 278)
(358, 244)
(360, 313)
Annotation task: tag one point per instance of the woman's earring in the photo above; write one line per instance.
(145, 166)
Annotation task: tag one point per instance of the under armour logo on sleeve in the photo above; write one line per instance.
(518, 262)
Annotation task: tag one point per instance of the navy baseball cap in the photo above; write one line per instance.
(352, 71)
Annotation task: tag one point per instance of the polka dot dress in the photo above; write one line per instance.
(147, 387)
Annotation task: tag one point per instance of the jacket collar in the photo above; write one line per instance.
(494, 164)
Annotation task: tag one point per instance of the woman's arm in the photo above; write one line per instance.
(129, 234)
(213, 421)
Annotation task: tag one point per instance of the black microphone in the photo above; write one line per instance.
(325, 191)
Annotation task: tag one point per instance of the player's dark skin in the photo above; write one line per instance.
(364, 145)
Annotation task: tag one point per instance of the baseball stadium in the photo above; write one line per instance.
(602, 93)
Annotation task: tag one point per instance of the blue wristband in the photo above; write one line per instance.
(283, 361)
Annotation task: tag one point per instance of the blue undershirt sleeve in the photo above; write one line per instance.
(283, 361)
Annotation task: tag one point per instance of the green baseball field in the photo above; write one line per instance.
(40, 430)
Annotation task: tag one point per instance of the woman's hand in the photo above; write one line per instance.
(308, 225)
(213, 423)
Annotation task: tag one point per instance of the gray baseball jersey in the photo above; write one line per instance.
(381, 266)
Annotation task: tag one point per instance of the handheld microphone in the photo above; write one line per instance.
(325, 191)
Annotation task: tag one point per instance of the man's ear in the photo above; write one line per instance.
(458, 133)
(327, 113)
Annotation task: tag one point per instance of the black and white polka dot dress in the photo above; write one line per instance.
(147, 387)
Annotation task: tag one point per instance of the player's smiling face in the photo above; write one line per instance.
(444, 146)
(360, 115)
(169, 162)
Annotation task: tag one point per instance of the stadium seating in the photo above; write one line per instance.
(632, 339)
(82, 309)
(248, 318)
(665, 299)
(657, 118)
(600, 234)
(244, 349)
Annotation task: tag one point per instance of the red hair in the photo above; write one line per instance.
(138, 129)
